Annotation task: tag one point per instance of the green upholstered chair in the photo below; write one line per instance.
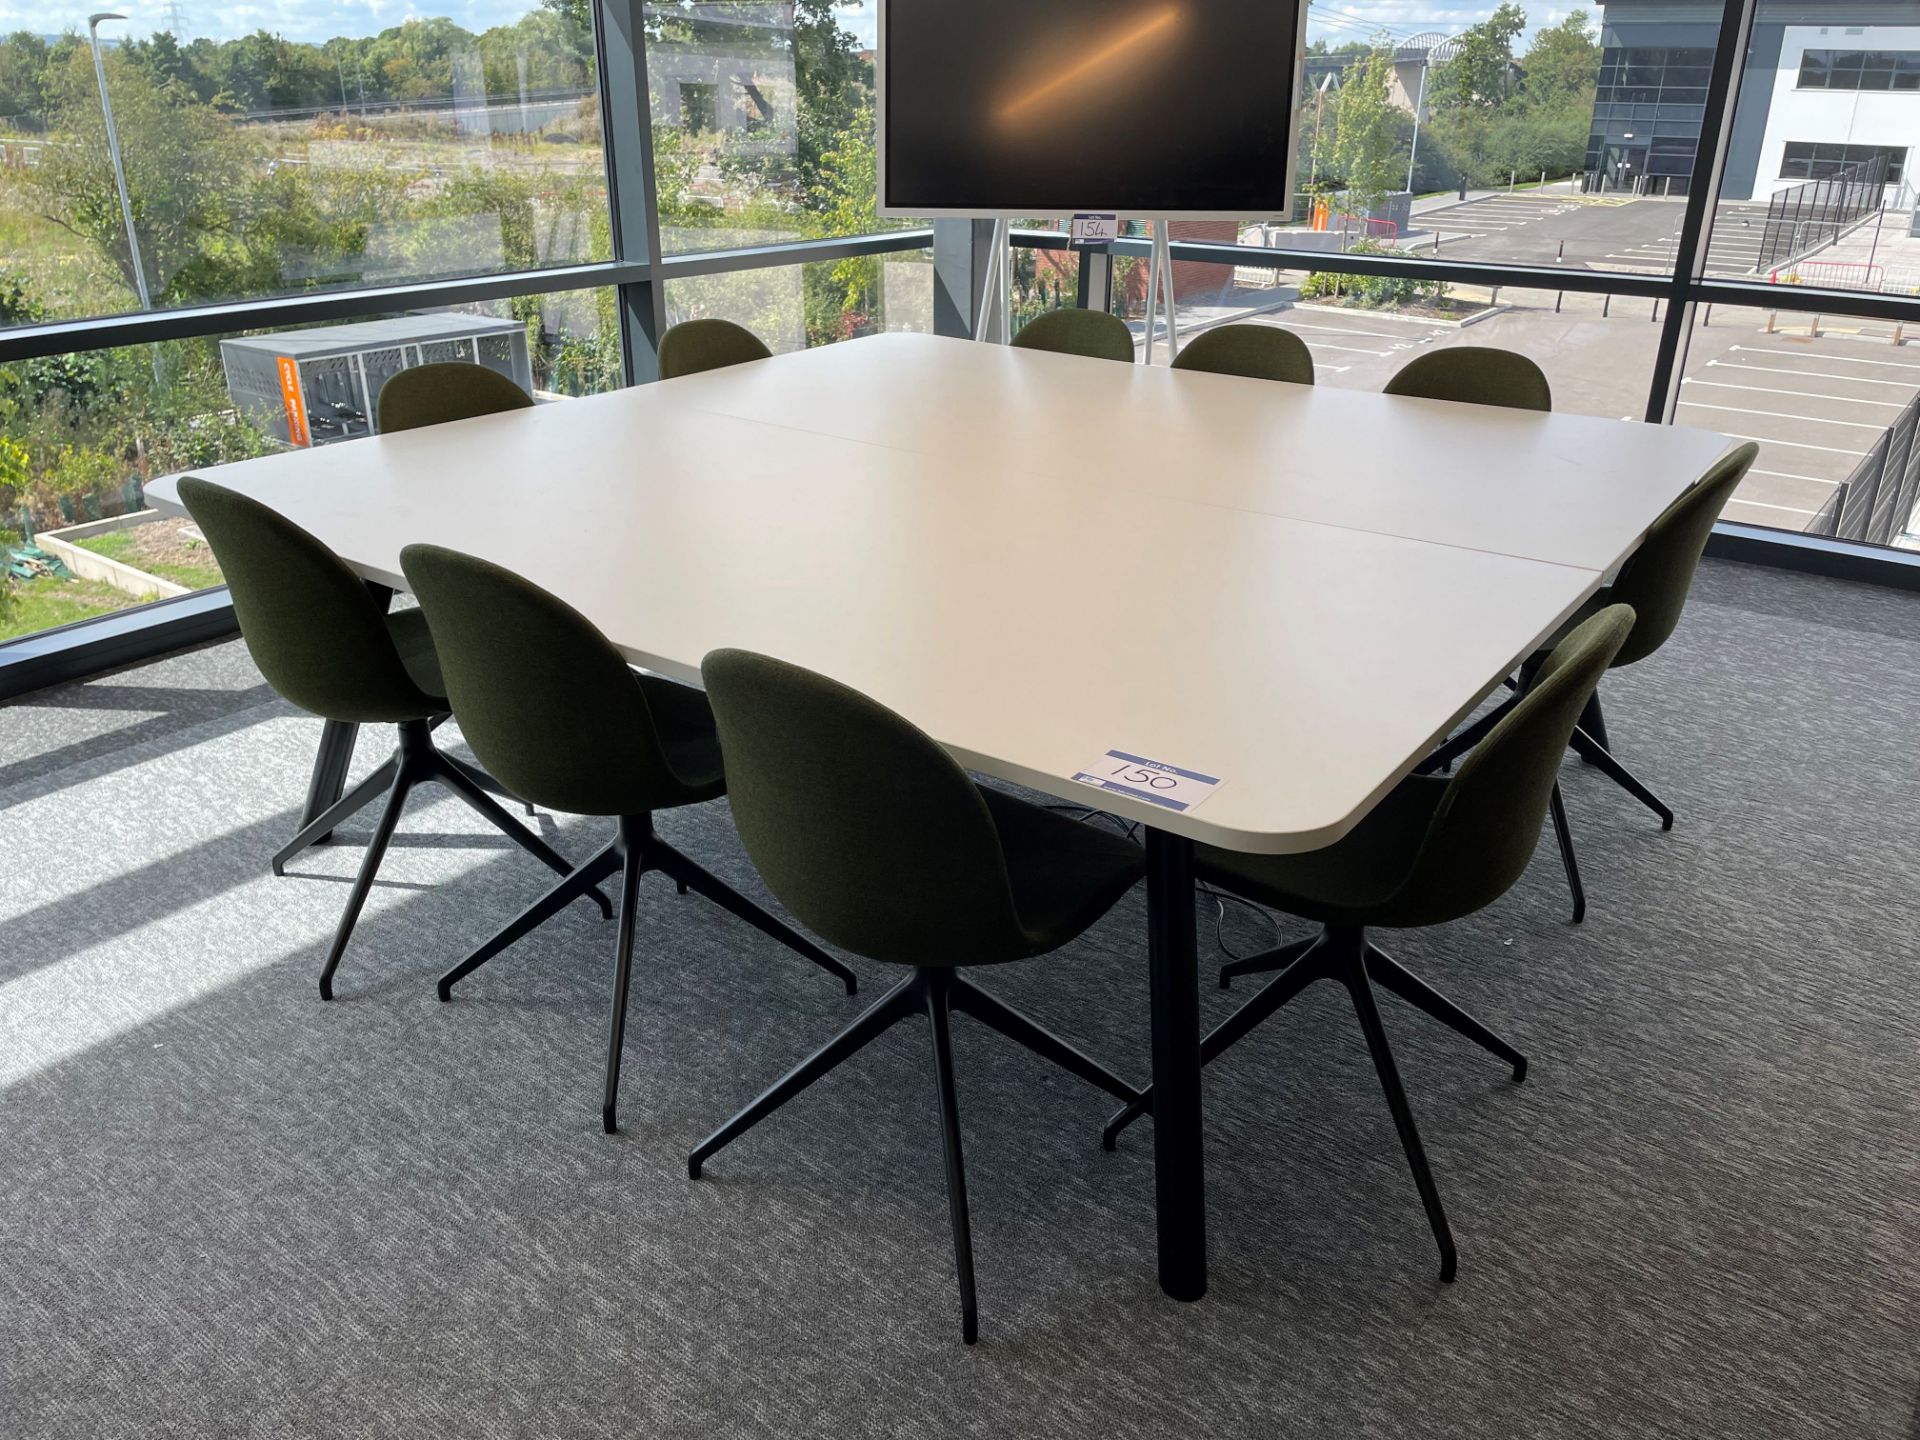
(1475, 375)
(552, 709)
(1655, 581)
(423, 395)
(878, 841)
(444, 391)
(323, 642)
(1434, 850)
(696, 345)
(1093, 333)
(1260, 352)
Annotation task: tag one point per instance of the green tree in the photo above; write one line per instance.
(1480, 75)
(23, 69)
(1562, 64)
(1367, 148)
(184, 165)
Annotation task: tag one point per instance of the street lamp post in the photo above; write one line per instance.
(113, 148)
(1418, 106)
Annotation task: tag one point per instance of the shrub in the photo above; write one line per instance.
(80, 470)
(1377, 292)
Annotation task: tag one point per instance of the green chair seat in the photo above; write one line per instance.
(687, 738)
(413, 642)
(1092, 333)
(1064, 875)
(1351, 882)
(696, 345)
(1259, 352)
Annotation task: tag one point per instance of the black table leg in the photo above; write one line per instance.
(330, 766)
(1180, 1191)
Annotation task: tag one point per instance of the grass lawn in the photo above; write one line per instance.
(124, 546)
(35, 605)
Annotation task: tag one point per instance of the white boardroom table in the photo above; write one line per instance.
(1040, 558)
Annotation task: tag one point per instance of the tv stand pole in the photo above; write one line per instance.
(1159, 289)
(996, 289)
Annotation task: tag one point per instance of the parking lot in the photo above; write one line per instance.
(1592, 232)
(1815, 402)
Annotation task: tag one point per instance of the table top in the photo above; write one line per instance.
(1572, 489)
(1029, 618)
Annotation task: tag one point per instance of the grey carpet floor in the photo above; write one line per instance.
(229, 1210)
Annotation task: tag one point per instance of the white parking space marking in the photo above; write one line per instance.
(1764, 505)
(1775, 414)
(1797, 444)
(1350, 349)
(1811, 374)
(1802, 394)
(1828, 355)
(1789, 475)
(1340, 330)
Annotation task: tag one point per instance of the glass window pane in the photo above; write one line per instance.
(763, 125)
(793, 307)
(1820, 398)
(1360, 330)
(82, 434)
(463, 141)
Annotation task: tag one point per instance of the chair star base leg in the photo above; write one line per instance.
(935, 992)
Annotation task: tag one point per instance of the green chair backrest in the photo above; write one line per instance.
(310, 623)
(1262, 352)
(860, 823)
(1657, 577)
(696, 345)
(551, 709)
(443, 391)
(1093, 333)
(1475, 375)
(1488, 821)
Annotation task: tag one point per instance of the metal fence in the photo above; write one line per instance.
(1813, 215)
(1875, 503)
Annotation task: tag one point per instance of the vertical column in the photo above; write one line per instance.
(1703, 190)
(626, 123)
(959, 274)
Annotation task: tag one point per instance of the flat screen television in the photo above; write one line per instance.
(1049, 107)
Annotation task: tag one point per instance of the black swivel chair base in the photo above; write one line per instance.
(935, 992)
(416, 762)
(1344, 953)
(633, 851)
(330, 768)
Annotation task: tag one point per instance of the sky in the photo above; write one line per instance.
(318, 20)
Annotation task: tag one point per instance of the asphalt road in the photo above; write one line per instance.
(1591, 232)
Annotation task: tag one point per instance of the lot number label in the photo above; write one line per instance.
(1154, 781)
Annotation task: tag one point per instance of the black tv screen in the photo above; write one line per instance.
(1047, 107)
